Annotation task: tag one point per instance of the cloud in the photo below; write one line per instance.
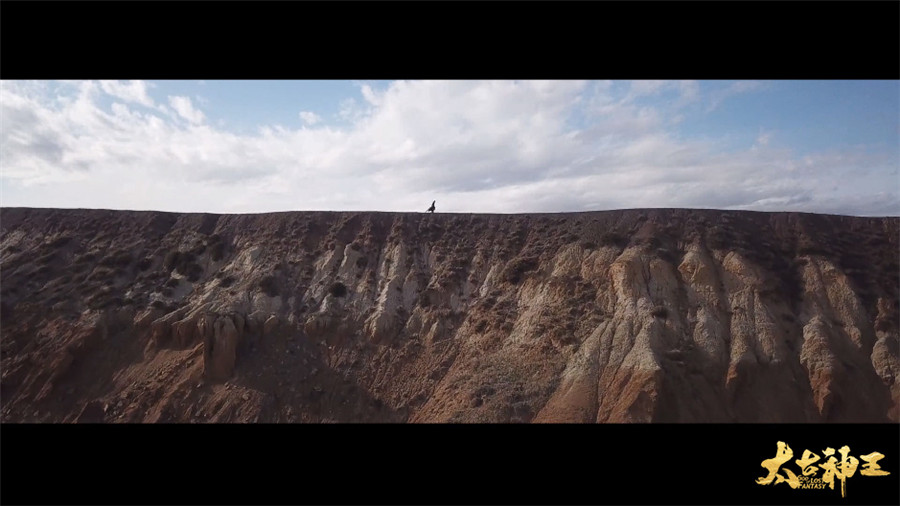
(310, 118)
(763, 138)
(185, 109)
(648, 87)
(130, 91)
(492, 146)
(687, 91)
(736, 88)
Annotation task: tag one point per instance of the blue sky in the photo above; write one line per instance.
(492, 146)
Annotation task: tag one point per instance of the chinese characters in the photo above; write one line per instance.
(832, 467)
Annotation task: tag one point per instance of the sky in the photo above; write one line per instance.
(473, 146)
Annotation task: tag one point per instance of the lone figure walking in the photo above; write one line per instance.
(431, 209)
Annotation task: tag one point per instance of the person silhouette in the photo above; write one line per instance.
(431, 209)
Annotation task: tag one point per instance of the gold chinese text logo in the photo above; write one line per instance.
(833, 468)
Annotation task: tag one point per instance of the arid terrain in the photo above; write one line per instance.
(658, 315)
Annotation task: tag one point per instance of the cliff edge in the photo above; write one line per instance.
(657, 315)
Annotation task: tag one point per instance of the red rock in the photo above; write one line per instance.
(621, 316)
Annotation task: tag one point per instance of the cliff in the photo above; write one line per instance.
(660, 315)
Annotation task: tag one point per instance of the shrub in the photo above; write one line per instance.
(121, 259)
(145, 263)
(44, 259)
(179, 261)
(719, 238)
(660, 312)
(87, 257)
(269, 285)
(217, 251)
(59, 241)
(103, 272)
(337, 289)
(183, 263)
(667, 255)
(613, 239)
(171, 260)
(226, 281)
(194, 272)
(809, 246)
(516, 269)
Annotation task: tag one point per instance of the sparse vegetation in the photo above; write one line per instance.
(103, 272)
(216, 247)
(719, 238)
(551, 318)
(117, 259)
(807, 246)
(85, 258)
(59, 241)
(516, 269)
(171, 260)
(194, 273)
(183, 263)
(44, 259)
(269, 285)
(337, 289)
(613, 239)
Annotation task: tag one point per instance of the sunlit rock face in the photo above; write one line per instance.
(663, 315)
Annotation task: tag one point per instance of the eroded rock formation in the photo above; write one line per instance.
(618, 316)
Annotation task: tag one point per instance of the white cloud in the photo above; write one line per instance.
(688, 91)
(491, 146)
(130, 91)
(185, 109)
(350, 110)
(736, 88)
(310, 118)
(648, 87)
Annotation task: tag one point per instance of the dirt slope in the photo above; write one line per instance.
(662, 315)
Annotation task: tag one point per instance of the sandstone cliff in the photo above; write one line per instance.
(661, 315)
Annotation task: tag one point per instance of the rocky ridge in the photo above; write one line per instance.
(658, 315)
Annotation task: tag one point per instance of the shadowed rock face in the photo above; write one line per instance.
(622, 316)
